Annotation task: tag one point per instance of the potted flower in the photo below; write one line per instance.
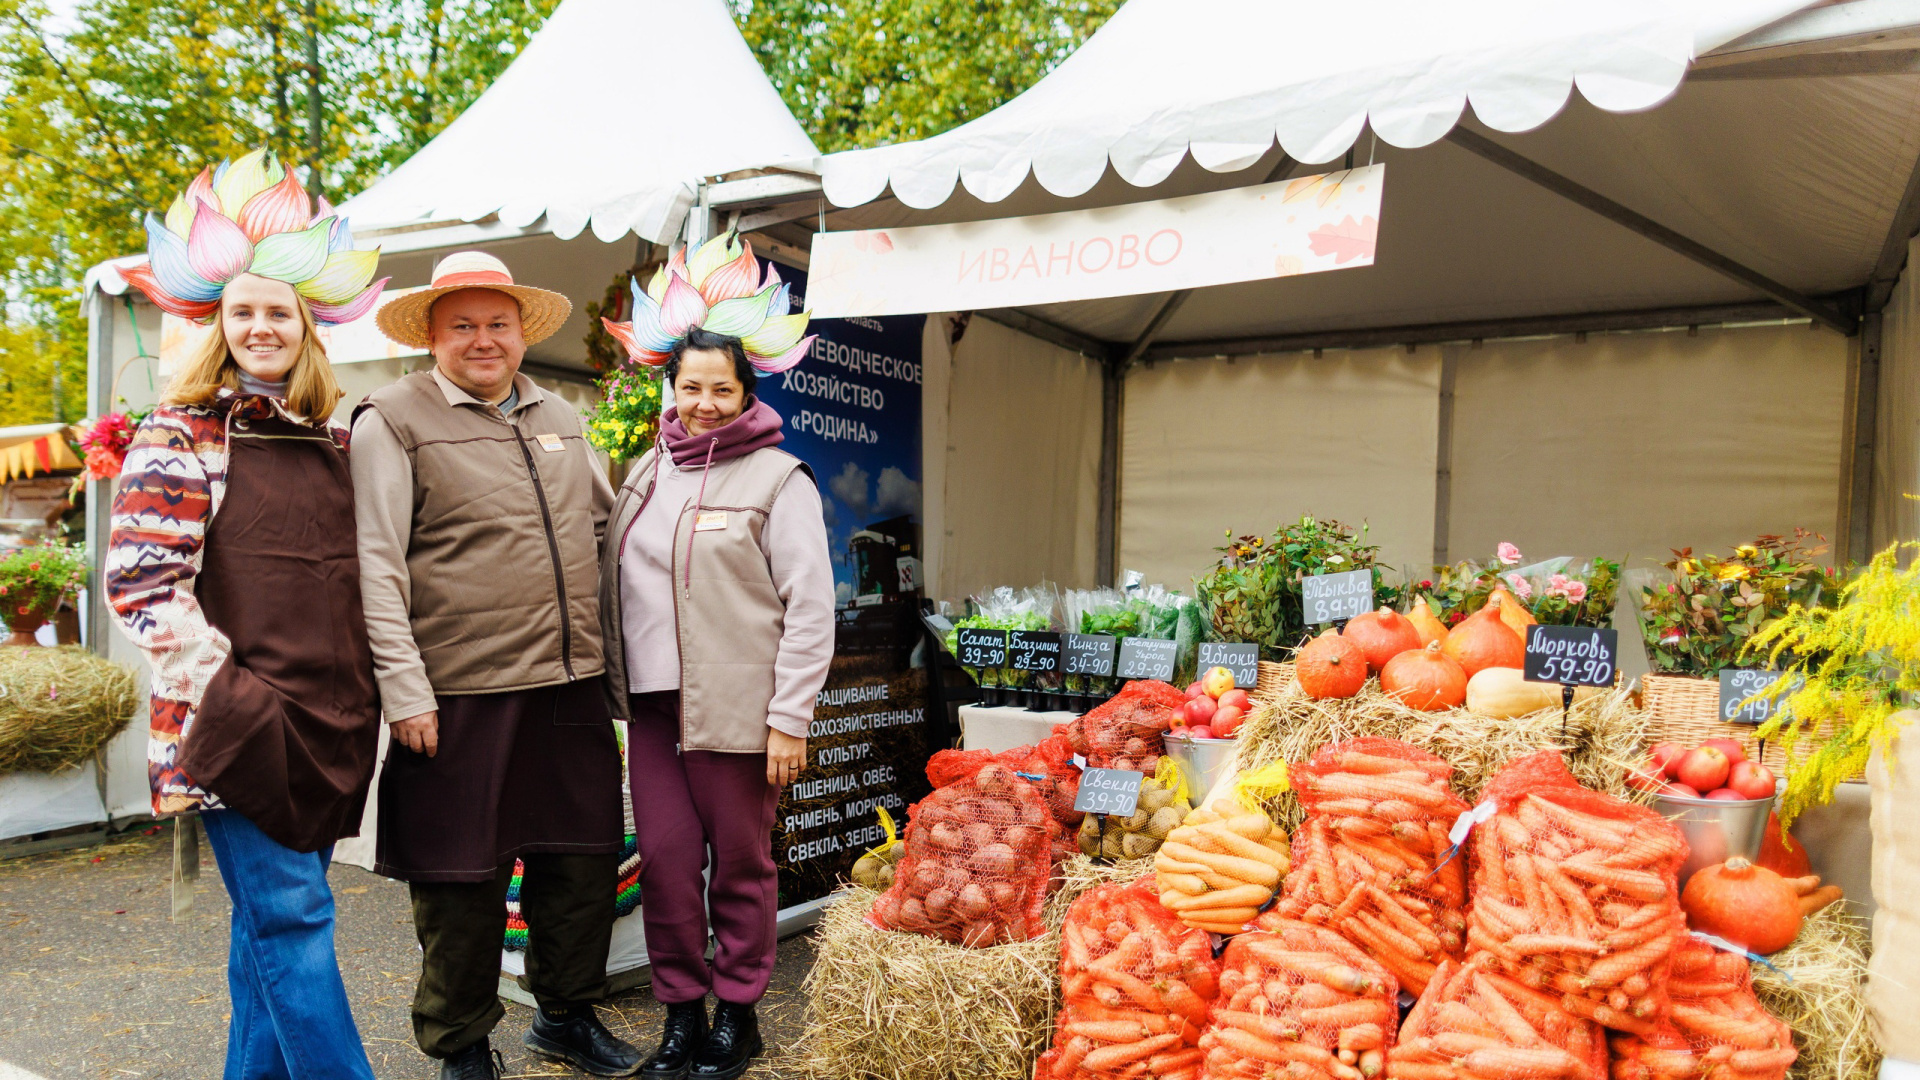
(33, 581)
(1253, 594)
(1561, 591)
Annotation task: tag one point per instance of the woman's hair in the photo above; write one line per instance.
(311, 389)
(698, 338)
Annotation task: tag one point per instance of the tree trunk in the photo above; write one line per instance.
(315, 132)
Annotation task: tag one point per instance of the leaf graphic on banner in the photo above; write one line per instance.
(1347, 240)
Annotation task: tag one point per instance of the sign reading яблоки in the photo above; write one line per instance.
(1300, 226)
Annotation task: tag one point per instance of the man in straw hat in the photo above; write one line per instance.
(480, 510)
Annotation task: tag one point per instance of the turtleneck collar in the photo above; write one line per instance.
(262, 387)
(756, 428)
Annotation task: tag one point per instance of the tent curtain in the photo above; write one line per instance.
(1896, 457)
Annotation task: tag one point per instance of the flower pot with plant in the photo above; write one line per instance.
(1562, 591)
(1253, 593)
(33, 581)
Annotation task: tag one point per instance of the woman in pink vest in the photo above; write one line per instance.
(717, 606)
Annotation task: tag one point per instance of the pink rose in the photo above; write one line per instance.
(1508, 554)
(1576, 591)
(1522, 588)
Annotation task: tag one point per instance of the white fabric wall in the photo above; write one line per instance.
(1896, 457)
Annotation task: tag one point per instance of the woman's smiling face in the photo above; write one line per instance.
(261, 320)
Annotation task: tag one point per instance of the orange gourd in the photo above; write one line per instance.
(1512, 611)
(1425, 679)
(1484, 640)
(1777, 857)
(1426, 623)
(1330, 666)
(1381, 635)
(1749, 905)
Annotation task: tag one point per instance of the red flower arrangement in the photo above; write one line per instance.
(105, 442)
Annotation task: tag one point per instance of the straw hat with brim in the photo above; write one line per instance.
(406, 320)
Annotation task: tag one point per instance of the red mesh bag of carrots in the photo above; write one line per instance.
(1718, 1028)
(1136, 984)
(1299, 1002)
(1575, 892)
(1128, 730)
(1373, 862)
(977, 867)
(1474, 1023)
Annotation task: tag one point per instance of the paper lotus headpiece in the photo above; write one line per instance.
(719, 290)
(251, 216)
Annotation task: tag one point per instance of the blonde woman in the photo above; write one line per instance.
(232, 564)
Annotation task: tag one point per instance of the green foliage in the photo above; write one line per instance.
(1558, 592)
(1703, 619)
(1861, 663)
(627, 417)
(34, 579)
(1253, 594)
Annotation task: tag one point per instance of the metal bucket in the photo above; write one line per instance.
(1716, 829)
(1202, 762)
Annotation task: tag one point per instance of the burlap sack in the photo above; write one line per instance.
(1893, 975)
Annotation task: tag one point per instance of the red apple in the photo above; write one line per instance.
(1751, 779)
(1681, 790)
(1194, 689)
(1238, 699)
(1729, 747)
(1703, 769)
(1643, 780)
(1217, 681)
(1726, 794)
(1198, 710)
(1227, 720)
(1200, 732)
(1664, 756)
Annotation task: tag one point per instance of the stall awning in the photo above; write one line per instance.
(35, 448)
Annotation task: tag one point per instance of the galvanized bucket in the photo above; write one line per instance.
(1202, 762)
(1716, 829)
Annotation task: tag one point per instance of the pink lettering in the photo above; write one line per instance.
(1028, 262)
(999, 271)
(1088, 246)
(978, 269)
(1054, 256)
(1178, 243)
(1129, 251)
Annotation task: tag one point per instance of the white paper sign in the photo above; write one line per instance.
(1299, 226)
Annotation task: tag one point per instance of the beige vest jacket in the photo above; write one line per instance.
(503, 550)
(729, 615)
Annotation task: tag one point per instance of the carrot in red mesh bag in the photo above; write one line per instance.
(1473, 1023)
(1299, 1002)
(1718, 1027)
(1575, 892)
(977, 863)
(1136, 985)
(1127, 731)
(1373, 860)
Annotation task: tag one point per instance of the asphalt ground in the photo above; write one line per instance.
(97, 981)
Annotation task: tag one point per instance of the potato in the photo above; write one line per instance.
(1153, 797)
(1164, 820)
(866, 871)
(884, 879)
(1138, 845)
(1137, 821)
(1089, 835)
(1110, 842)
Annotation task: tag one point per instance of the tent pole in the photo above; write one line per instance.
(1113, 388)
(1443, 462)
(100, 371)
(1862, 429)
(1893, 250)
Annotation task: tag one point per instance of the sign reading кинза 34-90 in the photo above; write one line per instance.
(1299, 226)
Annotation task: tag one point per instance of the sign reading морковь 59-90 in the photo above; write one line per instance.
(1273, 230)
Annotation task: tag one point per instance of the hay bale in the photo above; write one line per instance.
(1825, 1001)
(58, 706)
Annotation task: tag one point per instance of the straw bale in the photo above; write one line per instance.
(1825, 1000)
(58, 706)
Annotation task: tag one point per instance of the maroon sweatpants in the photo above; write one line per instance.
(692, 812)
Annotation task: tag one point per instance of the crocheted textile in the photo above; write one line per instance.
(626, 894)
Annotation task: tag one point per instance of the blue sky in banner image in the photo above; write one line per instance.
(852, 411)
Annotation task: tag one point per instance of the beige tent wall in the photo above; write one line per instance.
(1212, 445)
(1018, 472)
(1632, 444)
(1896, 455)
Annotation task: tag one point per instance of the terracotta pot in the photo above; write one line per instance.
(23, 624)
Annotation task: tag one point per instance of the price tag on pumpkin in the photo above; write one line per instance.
(1034, 650)
(1109, 791)
(1243, 659)
(978, 648)
(1572, 655)
(1326, 598)
(1738, 687)
(1088, 654)
(1146, 658)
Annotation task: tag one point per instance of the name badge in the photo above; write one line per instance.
(550, 443)
(714, 521)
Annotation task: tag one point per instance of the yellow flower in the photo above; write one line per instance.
(1747, 551)
(1733, 572)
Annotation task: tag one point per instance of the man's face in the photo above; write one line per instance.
(476, 340)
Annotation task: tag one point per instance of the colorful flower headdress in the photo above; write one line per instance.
(251, 216)
(719, 290)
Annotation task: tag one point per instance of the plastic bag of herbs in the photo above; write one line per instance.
(1097, 611)
(1168, 615)
(1562, 591)
(1698, 622)
(1005, 608)
(1253, 593)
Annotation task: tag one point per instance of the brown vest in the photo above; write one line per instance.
(503, 556)
(730, 616)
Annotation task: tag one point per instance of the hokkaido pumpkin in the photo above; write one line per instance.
(1483, 640)
(1789, 863)
(1330, 666)
(1426, 623)
(1425, 679)
(1512, 611)
(1749, 905)
(1504, 693)
(1381, 635)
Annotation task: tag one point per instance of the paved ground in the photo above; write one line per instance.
(97, 981)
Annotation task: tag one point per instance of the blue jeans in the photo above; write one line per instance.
(290, 1015)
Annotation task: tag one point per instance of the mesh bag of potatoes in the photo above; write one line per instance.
(1222, 866)
(1163, 806)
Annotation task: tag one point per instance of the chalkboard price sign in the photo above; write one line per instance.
(1572, 655)
(1326, 598)
(1737, 685)
(1088, 654)
(978, 648)
(1145, 658)
(1243, 659)
(1034, 650)
(1109, 791)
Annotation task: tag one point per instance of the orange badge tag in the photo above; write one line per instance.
(550, 443)
(715, 521)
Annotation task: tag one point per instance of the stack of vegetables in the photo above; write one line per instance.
(1135, 984)
(1473, 1023)
(876, 869)
(1220, 868)
(1718, 1027)
(1128, 731)
(1300, 1002)
(1162, 807)
(1047, 765)
(1373, 858)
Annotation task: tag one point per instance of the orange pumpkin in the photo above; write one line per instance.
(1483, 640)
(1330, 666)
(1777, 857)
(1381, 635)
(1512, 611)
(1425, 679)
(1749, 905)
(1426, 623)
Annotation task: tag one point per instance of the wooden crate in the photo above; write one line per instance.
(1686, 710)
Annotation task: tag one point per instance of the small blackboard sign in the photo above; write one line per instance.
(1088, 654)
(1572, 655)
(1739, 684)
(1326, 598)
(1145, 658)
(978, 648)
(1241, 658)
(1109, 791)
(1034, 650)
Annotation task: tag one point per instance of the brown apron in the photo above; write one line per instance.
(288, 729)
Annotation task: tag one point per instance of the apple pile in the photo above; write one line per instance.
(1215, 708)
(1716, 769)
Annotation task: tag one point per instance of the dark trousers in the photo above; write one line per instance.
(567, 901)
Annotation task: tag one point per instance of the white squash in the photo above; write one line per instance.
(1503, 693)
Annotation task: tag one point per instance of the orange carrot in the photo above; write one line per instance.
(1520, 1063)
(1114, 1031)
(1365, 1010)
(1819, 898)
(1638, 884)
(1108, 1058)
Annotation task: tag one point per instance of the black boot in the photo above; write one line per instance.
(576, 1036)
(477, 1062)
(732, 1046)
(684, 1036)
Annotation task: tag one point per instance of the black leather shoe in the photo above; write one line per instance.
(578, 1038)
(683, 1037)
(732, 1046)
(477, 1062)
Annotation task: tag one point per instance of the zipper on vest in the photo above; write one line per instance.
(553, 549)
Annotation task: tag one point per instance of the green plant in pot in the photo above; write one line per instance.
(1706, 617)
(1253, 594)
(33, 581)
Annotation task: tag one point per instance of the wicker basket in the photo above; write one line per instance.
(1274, 680)
(1686, 710)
